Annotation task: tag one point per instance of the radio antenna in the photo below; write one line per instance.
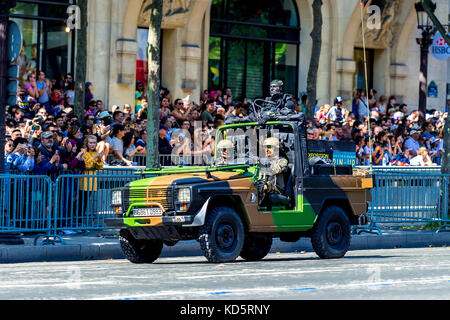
(362, 5)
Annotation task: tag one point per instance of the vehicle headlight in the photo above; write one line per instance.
(184, 195)
(116, 197)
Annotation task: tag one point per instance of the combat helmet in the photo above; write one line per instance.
(272, 141)
(225, 144)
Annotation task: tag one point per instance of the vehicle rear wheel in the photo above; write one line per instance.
(331, 235)
(139, 251)
(256, 246)
(222, 237)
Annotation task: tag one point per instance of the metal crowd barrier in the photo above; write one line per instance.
(185, 160)
(82, 202)
(396, 169)
(408, 198)
(25, 203)
(38, 204)
(120, 170)
(169, 160)
(34, 204)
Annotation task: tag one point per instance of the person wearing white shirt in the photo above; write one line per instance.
(422, 159)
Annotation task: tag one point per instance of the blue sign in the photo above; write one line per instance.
(432, 90)
(341, 158)
(440, 48)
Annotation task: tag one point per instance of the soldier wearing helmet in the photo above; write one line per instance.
(272, 173)
(224, 149)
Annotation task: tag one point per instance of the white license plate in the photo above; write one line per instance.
(147, 212)
(179, 219)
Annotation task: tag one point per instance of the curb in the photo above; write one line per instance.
(81, 252)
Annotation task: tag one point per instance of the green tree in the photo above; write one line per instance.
(153, 51)
(316, 36)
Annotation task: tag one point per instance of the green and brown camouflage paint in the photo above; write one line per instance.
(352, 191)
(235, 185)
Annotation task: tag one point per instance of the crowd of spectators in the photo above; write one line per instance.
(45, 136)
(397, 136)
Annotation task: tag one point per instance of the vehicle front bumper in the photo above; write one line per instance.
(127, 222)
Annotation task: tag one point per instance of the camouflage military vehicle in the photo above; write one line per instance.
(222, 205)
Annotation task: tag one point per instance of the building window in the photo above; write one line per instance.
(252, 43)
(47, 45)
(359, 76)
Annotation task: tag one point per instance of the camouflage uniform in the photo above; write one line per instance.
(276, 166)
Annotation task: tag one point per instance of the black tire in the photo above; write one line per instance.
(139, 251)
(222, 237)
(331, 235)
(256, 246)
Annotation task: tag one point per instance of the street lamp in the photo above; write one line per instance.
(5, 6)
(426, 26)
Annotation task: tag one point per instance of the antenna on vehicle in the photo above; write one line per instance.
(362, 5)
(334, 162)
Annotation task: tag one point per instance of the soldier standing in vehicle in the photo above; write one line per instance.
(271, 176)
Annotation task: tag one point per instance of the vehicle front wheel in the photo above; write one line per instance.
(222, 237)
(331, 234)
(139, 251)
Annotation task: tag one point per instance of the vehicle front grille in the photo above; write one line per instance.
(145, 195)
(161, 196)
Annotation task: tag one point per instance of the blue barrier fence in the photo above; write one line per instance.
(408, 198)
(140, 160)
(395, 169)
(26, 203)
(81, 202)
(46, 206)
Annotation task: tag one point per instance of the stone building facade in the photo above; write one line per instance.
(116, 47)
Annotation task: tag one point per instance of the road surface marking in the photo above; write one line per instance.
(237, 291)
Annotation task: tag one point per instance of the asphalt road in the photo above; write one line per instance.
(360, 275)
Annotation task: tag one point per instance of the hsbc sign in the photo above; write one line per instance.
(440, 49)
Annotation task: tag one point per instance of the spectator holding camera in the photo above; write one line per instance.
(19, 158)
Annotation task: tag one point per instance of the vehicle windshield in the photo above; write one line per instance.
(238, 145)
